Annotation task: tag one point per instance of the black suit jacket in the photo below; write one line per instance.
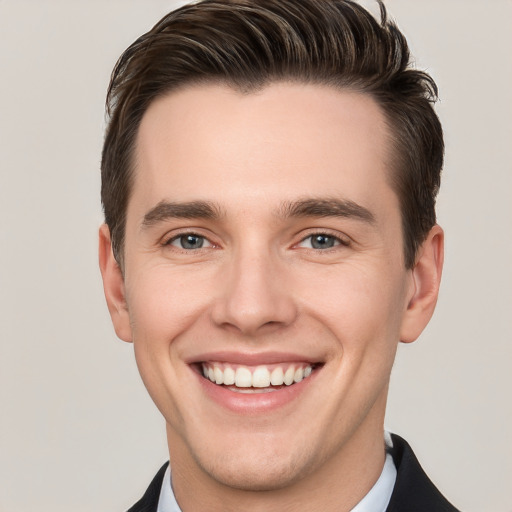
(413, 492)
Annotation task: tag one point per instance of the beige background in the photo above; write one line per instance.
(77, 431)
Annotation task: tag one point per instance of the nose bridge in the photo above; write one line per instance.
(253, 292)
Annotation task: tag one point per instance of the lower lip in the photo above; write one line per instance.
(254, 403)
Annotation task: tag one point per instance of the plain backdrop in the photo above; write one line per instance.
(77, 429)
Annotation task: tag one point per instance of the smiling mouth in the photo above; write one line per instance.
(256, 379)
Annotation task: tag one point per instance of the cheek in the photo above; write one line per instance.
(162, 303)
(361, 306)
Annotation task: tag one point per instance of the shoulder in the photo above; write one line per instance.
(413, 488)
(149, 502)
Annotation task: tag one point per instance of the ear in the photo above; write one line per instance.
(113, 286)
(424, 288)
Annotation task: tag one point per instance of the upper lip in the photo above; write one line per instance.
(251, 358)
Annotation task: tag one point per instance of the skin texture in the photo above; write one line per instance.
(259, 286)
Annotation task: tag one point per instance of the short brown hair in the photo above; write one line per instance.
(248, 44)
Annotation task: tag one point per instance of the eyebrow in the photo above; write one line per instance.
(166, 210)
(310, 207)
(326, 207)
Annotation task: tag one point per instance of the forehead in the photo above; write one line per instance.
(287, 140)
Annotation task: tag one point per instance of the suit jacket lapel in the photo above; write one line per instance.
(413, 489)
(149, 502)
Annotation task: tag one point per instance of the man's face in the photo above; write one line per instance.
(263, 243)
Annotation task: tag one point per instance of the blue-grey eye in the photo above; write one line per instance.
(189, 241)
(320, 241)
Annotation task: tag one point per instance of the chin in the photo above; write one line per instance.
(247, 476)
(255, 470)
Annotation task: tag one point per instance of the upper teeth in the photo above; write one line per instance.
(258, 377)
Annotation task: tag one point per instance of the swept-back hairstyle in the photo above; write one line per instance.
(248, 44)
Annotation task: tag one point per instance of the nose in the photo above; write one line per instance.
(254, 297)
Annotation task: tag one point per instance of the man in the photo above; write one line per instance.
(269, 177)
